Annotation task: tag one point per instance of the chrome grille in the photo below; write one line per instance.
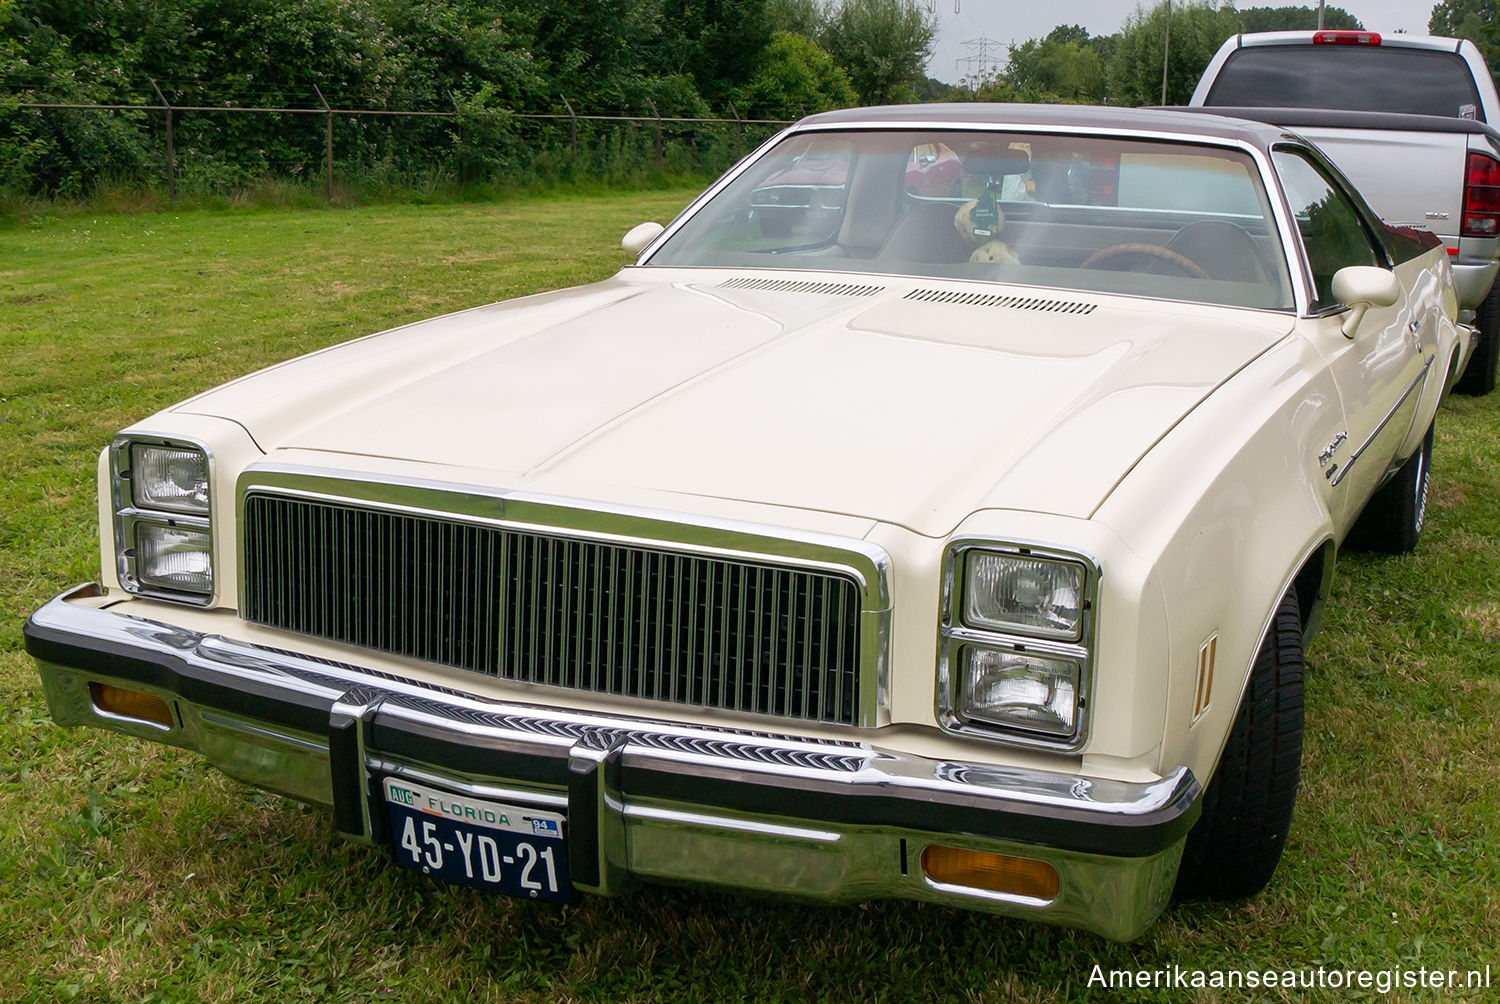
(645, 622)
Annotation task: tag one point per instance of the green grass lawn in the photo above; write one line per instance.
(133, 872)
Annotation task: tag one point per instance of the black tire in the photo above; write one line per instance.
(1234, 847)
(1392, 520)
(1479, 377)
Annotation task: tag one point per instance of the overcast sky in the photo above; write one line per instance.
(1006, 21)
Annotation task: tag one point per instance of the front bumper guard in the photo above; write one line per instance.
(836, 821)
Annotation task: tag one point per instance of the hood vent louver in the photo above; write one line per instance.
(802, 286)
(997, 300)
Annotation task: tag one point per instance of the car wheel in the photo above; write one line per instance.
(1392, 520)
(1234, 847)
(1479, 377)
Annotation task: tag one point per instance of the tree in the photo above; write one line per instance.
(1059, 68)
(1475, 20)
(929, 89)
(716, 42)
(882, 44)
(993, 87)
(1198, 28)
(595, 53)
(798, 17)
(1297, 19)
(1068, 33)
(1452, 17)
(796, 78)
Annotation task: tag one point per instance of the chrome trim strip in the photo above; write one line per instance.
(1401, 403)
(868, 564)
(999, 897)
(776, 830)
(953, 634)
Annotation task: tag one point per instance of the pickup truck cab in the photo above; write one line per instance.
(1410, 120)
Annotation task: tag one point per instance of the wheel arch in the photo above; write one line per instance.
(1313, 581)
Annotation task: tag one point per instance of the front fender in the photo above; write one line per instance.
(1230, 509)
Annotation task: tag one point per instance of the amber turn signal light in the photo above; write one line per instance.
(130, 704)
(992, 872)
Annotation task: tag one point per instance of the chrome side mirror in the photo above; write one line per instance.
(1360, 287)
(641, 235)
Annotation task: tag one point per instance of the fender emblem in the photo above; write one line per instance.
(1330, 450)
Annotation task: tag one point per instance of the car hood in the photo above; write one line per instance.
(912, 402)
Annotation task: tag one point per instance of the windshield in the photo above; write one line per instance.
(1169, 220)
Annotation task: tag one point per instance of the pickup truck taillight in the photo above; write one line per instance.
(1481, 197)
(1346, 38)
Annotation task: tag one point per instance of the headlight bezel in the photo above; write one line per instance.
(130, 516)
(956, 637)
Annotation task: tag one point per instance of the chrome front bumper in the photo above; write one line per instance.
(652, 800)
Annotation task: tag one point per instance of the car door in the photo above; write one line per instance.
(1379, 366)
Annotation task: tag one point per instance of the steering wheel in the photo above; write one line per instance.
(1186, 265)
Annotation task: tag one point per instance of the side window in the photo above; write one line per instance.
(1332, 231)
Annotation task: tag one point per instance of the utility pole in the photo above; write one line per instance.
(986, 58)
(1320, 14)
(1166, 48)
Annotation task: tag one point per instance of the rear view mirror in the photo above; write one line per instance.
(640, 236)
(1360, 287)
(989, 158)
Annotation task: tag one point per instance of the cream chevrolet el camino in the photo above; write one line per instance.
(958, 547)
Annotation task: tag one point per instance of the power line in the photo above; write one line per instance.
(987, 56)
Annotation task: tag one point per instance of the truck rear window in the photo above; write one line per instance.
(1362, 78)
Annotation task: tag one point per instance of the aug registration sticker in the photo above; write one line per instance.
(491, 845)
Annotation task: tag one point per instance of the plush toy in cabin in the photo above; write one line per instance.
(980, 222)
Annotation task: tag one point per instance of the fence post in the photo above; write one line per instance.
(572, 126)
(458, 114)
(171, 152)
(739, 128)
(661, 163)
(327, 138)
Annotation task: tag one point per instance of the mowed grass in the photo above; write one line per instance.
(131, 872)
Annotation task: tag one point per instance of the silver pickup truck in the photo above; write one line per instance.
(1410, 120)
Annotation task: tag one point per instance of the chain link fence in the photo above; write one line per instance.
(68, 150)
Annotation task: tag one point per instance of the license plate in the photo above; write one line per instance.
(491, 845)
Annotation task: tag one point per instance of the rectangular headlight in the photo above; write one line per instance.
(174, 557)
(169, 478)
(1020, 690)
(1041, 597)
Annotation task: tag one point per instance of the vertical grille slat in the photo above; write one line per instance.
(646, 622)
